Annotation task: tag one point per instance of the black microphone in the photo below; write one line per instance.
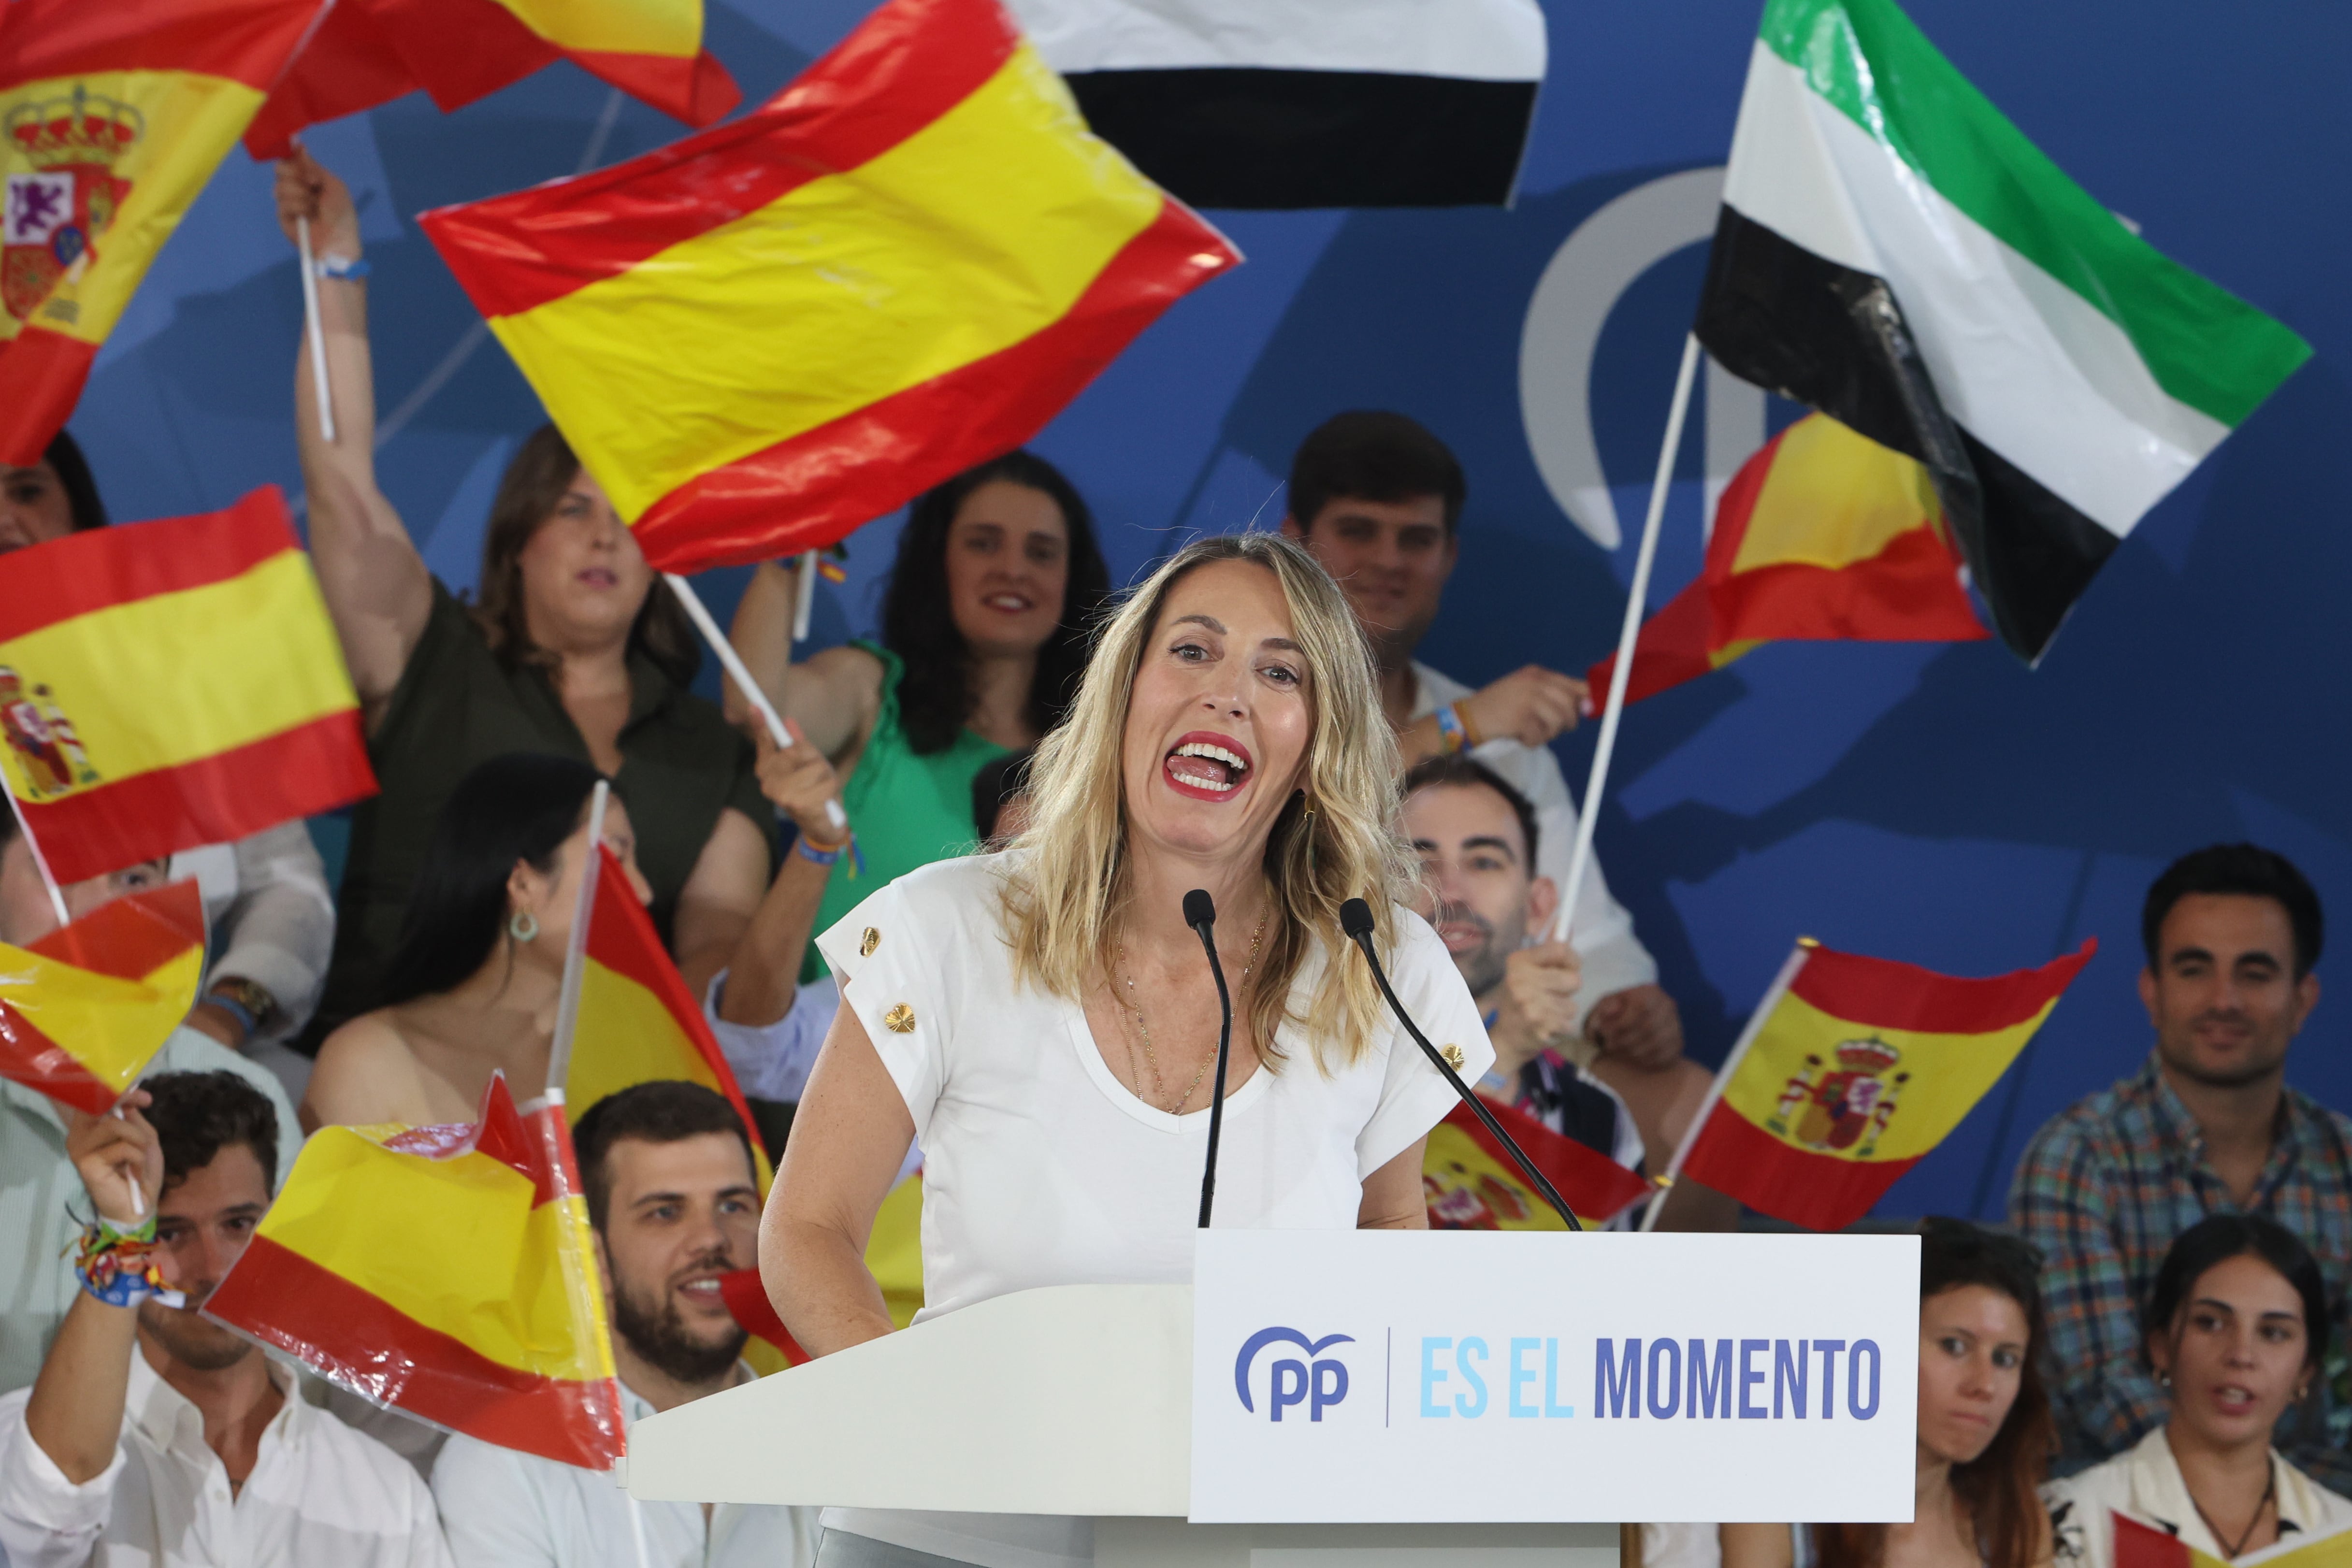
(1201, 915)
(1356, 921)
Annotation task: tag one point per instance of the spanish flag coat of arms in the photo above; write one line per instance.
(1852, 1070)
(112, 119)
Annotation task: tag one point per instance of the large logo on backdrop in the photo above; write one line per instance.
(1315, 1381)
(55, 214)
(1579, 288)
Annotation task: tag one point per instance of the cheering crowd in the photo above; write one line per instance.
(2160, 1331)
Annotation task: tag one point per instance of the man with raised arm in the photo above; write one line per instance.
(153, 1434)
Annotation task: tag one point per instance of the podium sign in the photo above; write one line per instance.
(1477, 1375)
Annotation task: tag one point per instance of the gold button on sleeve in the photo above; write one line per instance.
(899, 1019)
(1452, 1054)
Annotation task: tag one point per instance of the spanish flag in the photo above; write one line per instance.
(763, 336)
(84, 1009)
(369, 52)
(636, 1020)
(172, 684)
(502, 1338)
(113, 117)
(1821, 536)
(1472, 1184)
(1851, 1070)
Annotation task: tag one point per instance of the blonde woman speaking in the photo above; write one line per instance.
(1044, 1021)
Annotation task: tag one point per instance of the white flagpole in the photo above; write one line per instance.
(732, 663)
(804, 596)
(1772, 995)
(1589, 808)
(313, 329)
(40, 861)
(575, 949)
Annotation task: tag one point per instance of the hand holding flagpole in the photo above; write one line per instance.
(732, 663)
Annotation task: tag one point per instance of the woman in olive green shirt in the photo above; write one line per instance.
(984, 632)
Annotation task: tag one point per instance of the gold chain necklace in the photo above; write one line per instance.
(1150, 1060)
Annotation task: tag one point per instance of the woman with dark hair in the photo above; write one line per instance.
(265, 895)
(472, 986)
(54, 497)
(2235, 1330)
(984, 635)
(575, 649)
(1984, 1432)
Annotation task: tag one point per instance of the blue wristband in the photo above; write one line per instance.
(808, 851)
(348, 268)
(1452, 736)
(236, 1010)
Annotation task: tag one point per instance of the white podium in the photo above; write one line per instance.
(1071, 1400)
(1394, 1399)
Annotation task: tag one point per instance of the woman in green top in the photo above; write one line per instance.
(984, 632)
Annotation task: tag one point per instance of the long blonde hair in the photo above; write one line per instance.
(1066, 897)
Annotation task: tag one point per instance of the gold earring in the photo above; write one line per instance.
(1306, 825)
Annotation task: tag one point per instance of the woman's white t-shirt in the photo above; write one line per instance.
(1040, 1168)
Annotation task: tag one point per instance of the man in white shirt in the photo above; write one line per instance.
(1377, 498)
(155, 1435)
(672, 1196)
(37, 1179)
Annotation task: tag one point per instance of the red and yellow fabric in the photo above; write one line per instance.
(1823, 535)
(763, 336)
(172, 683)
(1473, 1183)
(85, 1009)
(637, 1023)
(113, 117)
(369, 52)
(1859, 1068)
(503, 1338)
(2141, 1545)
(894, 1256)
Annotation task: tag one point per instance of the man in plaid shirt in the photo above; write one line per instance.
(2207, 1126)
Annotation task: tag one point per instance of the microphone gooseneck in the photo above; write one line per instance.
(1201, 915)
(1356, 923)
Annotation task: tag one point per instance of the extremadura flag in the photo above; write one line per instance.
(502, 1338)
(113, 117)
(1851, 1071)
(765, 335)
(86, 1007)
(172, 683)
(1823, 535)
(1896, 253)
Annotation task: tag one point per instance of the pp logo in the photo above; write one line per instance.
(1318, 1383)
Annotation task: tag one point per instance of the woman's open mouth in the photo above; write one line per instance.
(1207, 766)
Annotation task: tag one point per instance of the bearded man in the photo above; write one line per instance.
(674, 1202)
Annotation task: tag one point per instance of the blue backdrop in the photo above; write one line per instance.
(1942, 805)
